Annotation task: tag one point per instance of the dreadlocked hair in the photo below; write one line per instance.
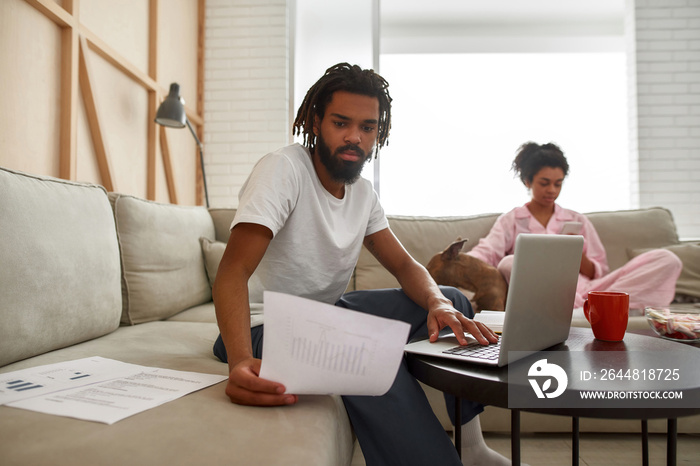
(349, 78)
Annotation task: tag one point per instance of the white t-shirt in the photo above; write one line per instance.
(316, 237)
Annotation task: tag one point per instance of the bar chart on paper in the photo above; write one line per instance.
(330, 350)
(21, 385)
(59, 375)
(35, 381)
(316, 348)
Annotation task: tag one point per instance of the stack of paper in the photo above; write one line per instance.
(492, 319)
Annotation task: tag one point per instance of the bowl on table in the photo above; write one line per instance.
(674, 324)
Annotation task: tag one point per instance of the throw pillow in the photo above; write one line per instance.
(213, 251)
(689, 281)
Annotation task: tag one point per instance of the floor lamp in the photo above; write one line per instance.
(171, 113)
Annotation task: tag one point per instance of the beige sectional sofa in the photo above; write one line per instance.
(87, 273)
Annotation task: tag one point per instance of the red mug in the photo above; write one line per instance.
(608, 312)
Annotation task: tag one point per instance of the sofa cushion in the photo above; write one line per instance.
(59, 265)
(163, 270)
(422, 237)
(207, 313)
(688, 283)
(203, 427)
(625, 230)
(213, 251)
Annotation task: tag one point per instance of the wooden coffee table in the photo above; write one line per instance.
(490, 386)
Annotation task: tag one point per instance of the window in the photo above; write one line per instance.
(458, 119)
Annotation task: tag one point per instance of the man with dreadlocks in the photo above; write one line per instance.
(304, 213)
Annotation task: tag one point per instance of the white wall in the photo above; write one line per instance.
(666, 117)
(246, 94)
(320, 43)
(250, 63)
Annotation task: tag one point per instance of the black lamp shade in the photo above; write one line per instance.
(171, 112)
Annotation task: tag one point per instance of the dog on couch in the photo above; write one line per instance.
(452, 267)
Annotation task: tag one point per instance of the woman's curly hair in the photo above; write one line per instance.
(349, 78)
(532, 157)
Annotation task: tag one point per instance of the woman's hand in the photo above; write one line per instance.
(587, 267)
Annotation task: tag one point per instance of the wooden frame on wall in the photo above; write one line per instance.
(76, 76)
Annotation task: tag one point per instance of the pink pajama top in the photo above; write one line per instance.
(500, 241)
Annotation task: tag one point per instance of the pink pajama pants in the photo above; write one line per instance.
(650, 279)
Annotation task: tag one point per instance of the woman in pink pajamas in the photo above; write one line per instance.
(650, 278)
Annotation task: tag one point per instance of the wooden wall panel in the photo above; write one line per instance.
(82, 80)
(123, 110)
(123, 25)
(162, 189)
(177, 27)
(30, 64)
(87, 169)
(184, 163)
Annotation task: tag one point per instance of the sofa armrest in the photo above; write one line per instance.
(625, 230)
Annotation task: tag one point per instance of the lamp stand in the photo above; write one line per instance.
(201, 161)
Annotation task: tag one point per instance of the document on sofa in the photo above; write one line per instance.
(315, 348)
(97, 389)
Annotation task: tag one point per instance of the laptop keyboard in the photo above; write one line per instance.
(476, 350)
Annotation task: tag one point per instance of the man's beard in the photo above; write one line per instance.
(342, 170)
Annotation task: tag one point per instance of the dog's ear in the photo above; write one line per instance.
(453, 249)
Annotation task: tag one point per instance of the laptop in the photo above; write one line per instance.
(539, 304)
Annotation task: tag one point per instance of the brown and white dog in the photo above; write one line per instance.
(454, 268)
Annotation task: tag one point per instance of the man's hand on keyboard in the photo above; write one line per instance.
(444, 315)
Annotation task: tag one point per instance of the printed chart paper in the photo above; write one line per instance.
(40, 380)
(315, 348)
(98, 389)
